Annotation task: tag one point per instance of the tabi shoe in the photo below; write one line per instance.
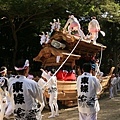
(57, 114)
(51, 116)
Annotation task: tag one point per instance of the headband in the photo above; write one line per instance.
(4, 69)
(24, 67)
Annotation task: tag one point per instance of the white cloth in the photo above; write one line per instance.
(25, 92)
(87, 88)
(41, 82)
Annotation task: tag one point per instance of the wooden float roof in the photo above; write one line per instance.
(87, 47)
(84, 46)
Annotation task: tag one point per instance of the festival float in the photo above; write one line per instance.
(64, 51)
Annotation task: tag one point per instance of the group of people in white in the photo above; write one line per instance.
(45, 37)
(22, 97)
(73, 25)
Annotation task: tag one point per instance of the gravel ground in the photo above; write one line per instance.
(110, 110)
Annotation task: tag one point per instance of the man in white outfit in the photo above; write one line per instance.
(87, 88)
(52, 90)
(112, 89)
(94, 28)
(73, 24)
(25, 92)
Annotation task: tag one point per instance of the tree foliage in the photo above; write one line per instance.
(22, 20)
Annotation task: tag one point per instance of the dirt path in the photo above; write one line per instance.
(110, 110)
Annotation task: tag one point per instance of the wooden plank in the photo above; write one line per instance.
(66, 82)
(73, 55)
(68, 91)
(67, 98)
(67, 94)
(66, 85)
(63, 96)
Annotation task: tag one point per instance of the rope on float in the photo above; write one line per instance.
(101, 56)
(63, 63)
(101, 53)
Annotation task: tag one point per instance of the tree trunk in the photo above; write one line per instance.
(115, 58)
(14, 33)
(16, 46)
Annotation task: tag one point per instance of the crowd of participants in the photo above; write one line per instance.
(22, 95)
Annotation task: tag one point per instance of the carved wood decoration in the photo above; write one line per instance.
(48, 54)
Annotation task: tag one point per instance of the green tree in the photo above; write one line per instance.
(20, 14)
(110, 14)
(24, 17)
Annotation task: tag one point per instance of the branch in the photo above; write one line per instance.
(36, 14)
(24, 22)
(10, 18)
(24, 27)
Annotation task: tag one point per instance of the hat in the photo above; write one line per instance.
(26, 64)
